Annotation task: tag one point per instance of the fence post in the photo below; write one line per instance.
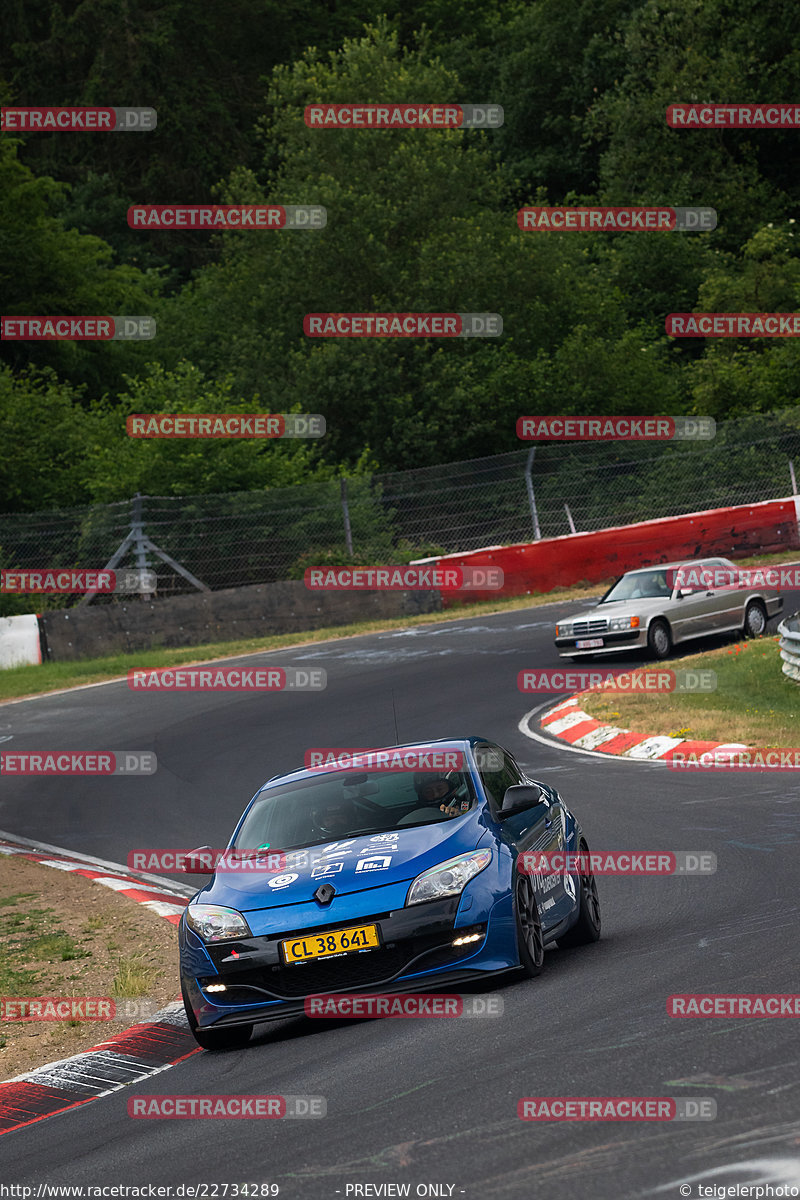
(537, 533)
(794, 481)
(348, 533)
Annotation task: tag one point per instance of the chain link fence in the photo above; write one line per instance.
(257, 537)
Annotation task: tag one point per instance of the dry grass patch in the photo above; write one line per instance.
(54, 941)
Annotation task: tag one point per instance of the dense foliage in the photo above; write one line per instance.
(417, 221)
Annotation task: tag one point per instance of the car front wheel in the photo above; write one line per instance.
(216, 1039)
(530, 938)
(659, 639)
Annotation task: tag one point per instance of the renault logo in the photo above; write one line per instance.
(325, 893)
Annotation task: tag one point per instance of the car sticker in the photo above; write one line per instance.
(282, 881)
(374, 864)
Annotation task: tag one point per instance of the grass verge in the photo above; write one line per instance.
(754, 702)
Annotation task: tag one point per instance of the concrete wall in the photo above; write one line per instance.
(233, 613)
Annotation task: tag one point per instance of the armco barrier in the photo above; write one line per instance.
(592, 557)
(789, 630)
(19, 641)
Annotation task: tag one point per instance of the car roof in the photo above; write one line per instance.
(464, 744)
(678, 562)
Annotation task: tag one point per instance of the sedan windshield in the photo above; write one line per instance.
(638, 584)
(344, 804)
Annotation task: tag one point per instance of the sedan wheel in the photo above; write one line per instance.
(755, 620)
(659, 639)
(530, 939)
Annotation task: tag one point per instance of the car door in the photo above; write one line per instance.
(730, 607)
(539, 828)
(699, 612)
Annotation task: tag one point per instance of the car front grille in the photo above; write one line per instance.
(598, 626)
(364, 969)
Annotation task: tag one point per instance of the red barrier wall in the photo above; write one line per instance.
(591, 557)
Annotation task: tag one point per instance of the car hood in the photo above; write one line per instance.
(644, 607)
(351, 865)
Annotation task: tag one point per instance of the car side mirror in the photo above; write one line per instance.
(521, 797)
(200, 861)
(684, 592)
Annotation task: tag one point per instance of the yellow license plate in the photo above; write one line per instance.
(338, 941)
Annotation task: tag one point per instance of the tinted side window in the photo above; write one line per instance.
(497, 782)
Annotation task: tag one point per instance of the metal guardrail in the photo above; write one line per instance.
(789, 630)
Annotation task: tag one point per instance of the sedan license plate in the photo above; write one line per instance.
(324, 945)
(589, 644)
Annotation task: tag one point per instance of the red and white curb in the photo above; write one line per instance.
(567, 723)
(143, 1050)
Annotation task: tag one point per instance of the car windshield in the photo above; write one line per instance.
(344, 804)
(638, 584)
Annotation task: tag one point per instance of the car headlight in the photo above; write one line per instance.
(623, 623)
(564, 630)
(448, 878)
(214, 923)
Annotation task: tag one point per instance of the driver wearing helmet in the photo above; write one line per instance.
(437, 791)
(333, 818)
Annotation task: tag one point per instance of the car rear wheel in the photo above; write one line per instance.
(587, 927)
(755, 619)
(216, 1039)
(659, 638)
(530, 939)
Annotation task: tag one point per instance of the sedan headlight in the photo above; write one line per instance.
(214, 923)
(448, 878)
(623, 623)
(564, 630)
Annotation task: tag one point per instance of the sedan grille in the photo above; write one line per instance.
(598, 626)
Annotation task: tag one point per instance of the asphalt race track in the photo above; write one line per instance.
(435, 1101)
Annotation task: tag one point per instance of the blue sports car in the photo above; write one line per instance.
(391, 877)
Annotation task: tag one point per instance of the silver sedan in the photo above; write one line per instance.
(652, 608)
